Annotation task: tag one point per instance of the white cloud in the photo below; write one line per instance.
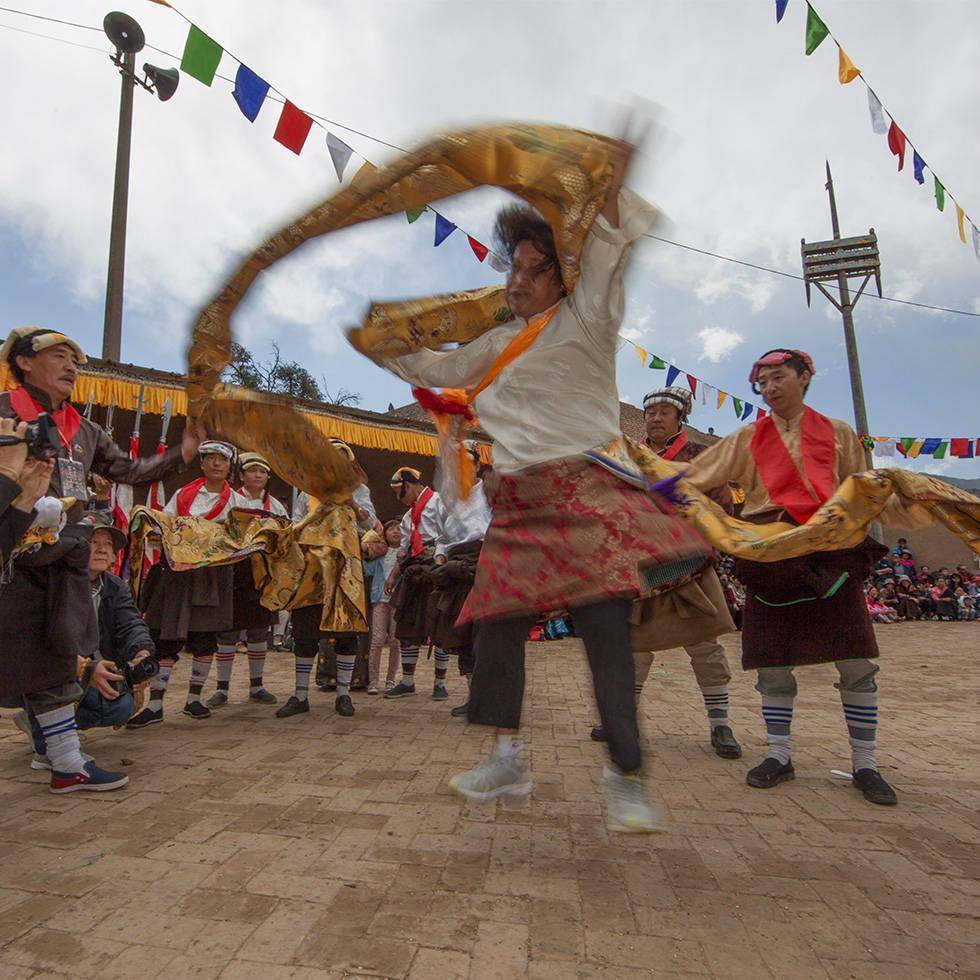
(718, 343)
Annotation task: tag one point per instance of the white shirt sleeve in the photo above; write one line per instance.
(362, 498)
(439, 515)
(463, 367)
(598, 299)
(302, 505)
(171, 507)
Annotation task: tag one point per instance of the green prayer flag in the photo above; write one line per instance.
(656, 364)
(201, 56)
(816, 30)
(907, 443)
(738, 407)
(413, 214)
(940, 194)
(940, 453)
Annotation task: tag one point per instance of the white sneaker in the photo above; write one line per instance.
(629, 810)
(498, 776)
(40, 763)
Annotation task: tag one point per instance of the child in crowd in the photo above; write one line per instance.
(879, 612)
(967, 605)
(382, 614)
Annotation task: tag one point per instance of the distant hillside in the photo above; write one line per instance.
(972, 484)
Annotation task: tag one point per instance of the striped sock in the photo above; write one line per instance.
(861, 715)
(442, 664)
(778, 714)
(410, 658)
(256, 664)
(345, 670)
(638, 688)
(158, 685)
(226, 663)
(61, 739)
(304, 666)
(716, 703)
(199, 676)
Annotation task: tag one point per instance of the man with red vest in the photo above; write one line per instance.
(409, 598)
(188, 609)
(47, 620)
(665, 410)
(806, 610)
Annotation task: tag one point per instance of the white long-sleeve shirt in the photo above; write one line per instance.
(273, 506)
(559, 398)
(465, 521)
(361, 497)
(204, 500)
(430, 521)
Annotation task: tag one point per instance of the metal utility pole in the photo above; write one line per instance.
(839, 260)
(112, 328)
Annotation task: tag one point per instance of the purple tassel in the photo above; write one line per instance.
(667, 490)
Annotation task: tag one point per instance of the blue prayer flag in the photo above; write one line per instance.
(672, 373)
(444, 229)
(919, 164)
(747, 411)
(250, 92)
(780, 9)
(929, 446)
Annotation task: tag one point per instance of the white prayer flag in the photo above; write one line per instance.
(496, 262)
(885, 446)
(340, 153)
(976, 240)
(878, 123)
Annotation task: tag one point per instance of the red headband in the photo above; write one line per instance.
(776, 358)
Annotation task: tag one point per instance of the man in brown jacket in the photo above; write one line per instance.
(665, 411)
(47, 619)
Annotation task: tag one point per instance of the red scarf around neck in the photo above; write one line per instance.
(186, 495)
(416, 540)
(675, 447)
(66, 418)
(779, 472)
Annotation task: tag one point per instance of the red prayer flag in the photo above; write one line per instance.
(293, 128)
(692, 383)
(960, 448)
(760, 414)
(479, 250)
(896, 143)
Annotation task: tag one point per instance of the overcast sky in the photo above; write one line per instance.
(745, 122)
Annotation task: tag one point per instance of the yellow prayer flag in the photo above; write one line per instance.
(722, 395)
(915, 449)
(846, 71)
(959, 223)
(641, 354)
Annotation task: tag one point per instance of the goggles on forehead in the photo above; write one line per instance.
(776, 358)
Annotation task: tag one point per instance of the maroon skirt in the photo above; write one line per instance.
(569, 533)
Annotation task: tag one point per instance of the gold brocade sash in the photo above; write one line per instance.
(317, 560)
(564, 173)
(842, 522)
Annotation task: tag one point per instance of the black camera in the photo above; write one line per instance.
(42, 438)
(138, 673)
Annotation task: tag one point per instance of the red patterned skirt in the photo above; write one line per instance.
(569, 533)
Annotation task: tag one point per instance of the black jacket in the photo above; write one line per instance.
(122, 632)
(13, 523)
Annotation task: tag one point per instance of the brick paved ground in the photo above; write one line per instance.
(248, 847)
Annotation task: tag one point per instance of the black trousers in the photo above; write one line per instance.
(497, 687)
(197, 645)
(307, 634)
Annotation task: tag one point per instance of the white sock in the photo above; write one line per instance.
(716, 704)
(345, 670)
(226, 664)
(304, 665)
(256, 664)
(61, 739)
(507, 746)
(779, 748)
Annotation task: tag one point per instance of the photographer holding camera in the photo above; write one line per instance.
(116, 673)
(47, 618)
(23, 482)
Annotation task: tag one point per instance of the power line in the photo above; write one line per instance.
(793, 275)
(51, 37)
(279, 97)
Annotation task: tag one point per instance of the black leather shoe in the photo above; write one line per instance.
(724, 743)
(196, 710)
(344, 706)
(598, 734)
(874, 787)
(770, 772)
(293, 707)
(461, 710)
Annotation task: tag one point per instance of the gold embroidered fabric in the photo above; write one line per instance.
(564, 173)
(317, 560)
(842, 522)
